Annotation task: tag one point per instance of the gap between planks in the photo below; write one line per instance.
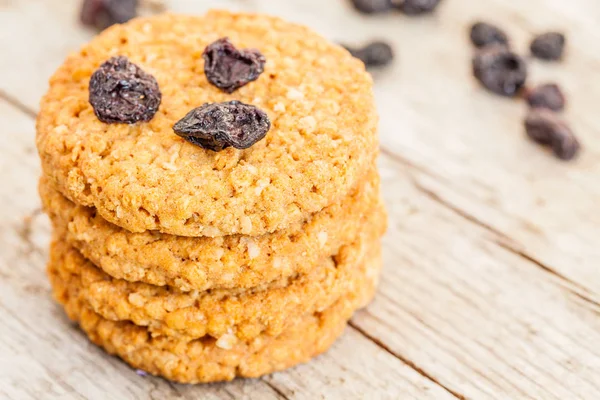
(405, 360)
(16, 103)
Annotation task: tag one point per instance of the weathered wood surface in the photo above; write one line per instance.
(492, 285)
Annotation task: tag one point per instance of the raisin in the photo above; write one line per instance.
(548, 46)
(484, 34)
(229, 68)
(103, 13)
(544, 127)
(374, 54)
(372, 6)
(216, 126)
(415, 7)
(500, 70)
(546, 96)
(121, 92)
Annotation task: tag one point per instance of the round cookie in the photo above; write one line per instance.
(230, 314)
(206, 263)
(144, 177)
(207, 359)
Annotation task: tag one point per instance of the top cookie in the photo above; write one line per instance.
(143, 176)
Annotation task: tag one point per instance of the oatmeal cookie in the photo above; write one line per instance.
(213, 263)
(208, 359)
(143, 176)
(240, 313)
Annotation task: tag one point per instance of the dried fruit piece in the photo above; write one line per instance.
(372, 6)
(500, 70)
(103, 13)
(548, 46)
(229, 68)
(546, 96)
(374, 54)
(216, 126)
(545, 128)
(415, 7)
(484, 34)
(121, 92)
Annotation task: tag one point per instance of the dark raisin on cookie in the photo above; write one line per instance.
(500, 70)
(372, 6)
(484, 34)
(121, 92)
(546, 128)
(229, 68)
(548, 46)
(416, 7)
(216, 126)
(547, 96)
(101, 14)
(374, 54)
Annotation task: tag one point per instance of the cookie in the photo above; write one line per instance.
(145, 177)
(209, 359)
(239, 313)
(207, 263)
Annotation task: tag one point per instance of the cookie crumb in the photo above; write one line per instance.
(246, 223)
(295, 94)
(136, 299)
(253, 249)
(279, 107)
(226, 341)
(308, 124)
(322, 236)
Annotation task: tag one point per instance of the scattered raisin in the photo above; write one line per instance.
(484, 34)
(500, 70)
(372, 6)
(121, 92)
(229, 68)
(103, 13)
(374, 54)
(544, 127)
(216, 126)
(547, 96)
(416, 7)
(548, 46)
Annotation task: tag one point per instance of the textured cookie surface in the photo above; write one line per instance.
(223, 262)
(145, 177)
(208, 359)
(235, 313)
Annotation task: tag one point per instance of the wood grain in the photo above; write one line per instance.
(490, 288)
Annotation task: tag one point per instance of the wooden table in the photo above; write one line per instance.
(491, 286)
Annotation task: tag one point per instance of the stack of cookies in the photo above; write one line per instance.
(214, 194)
